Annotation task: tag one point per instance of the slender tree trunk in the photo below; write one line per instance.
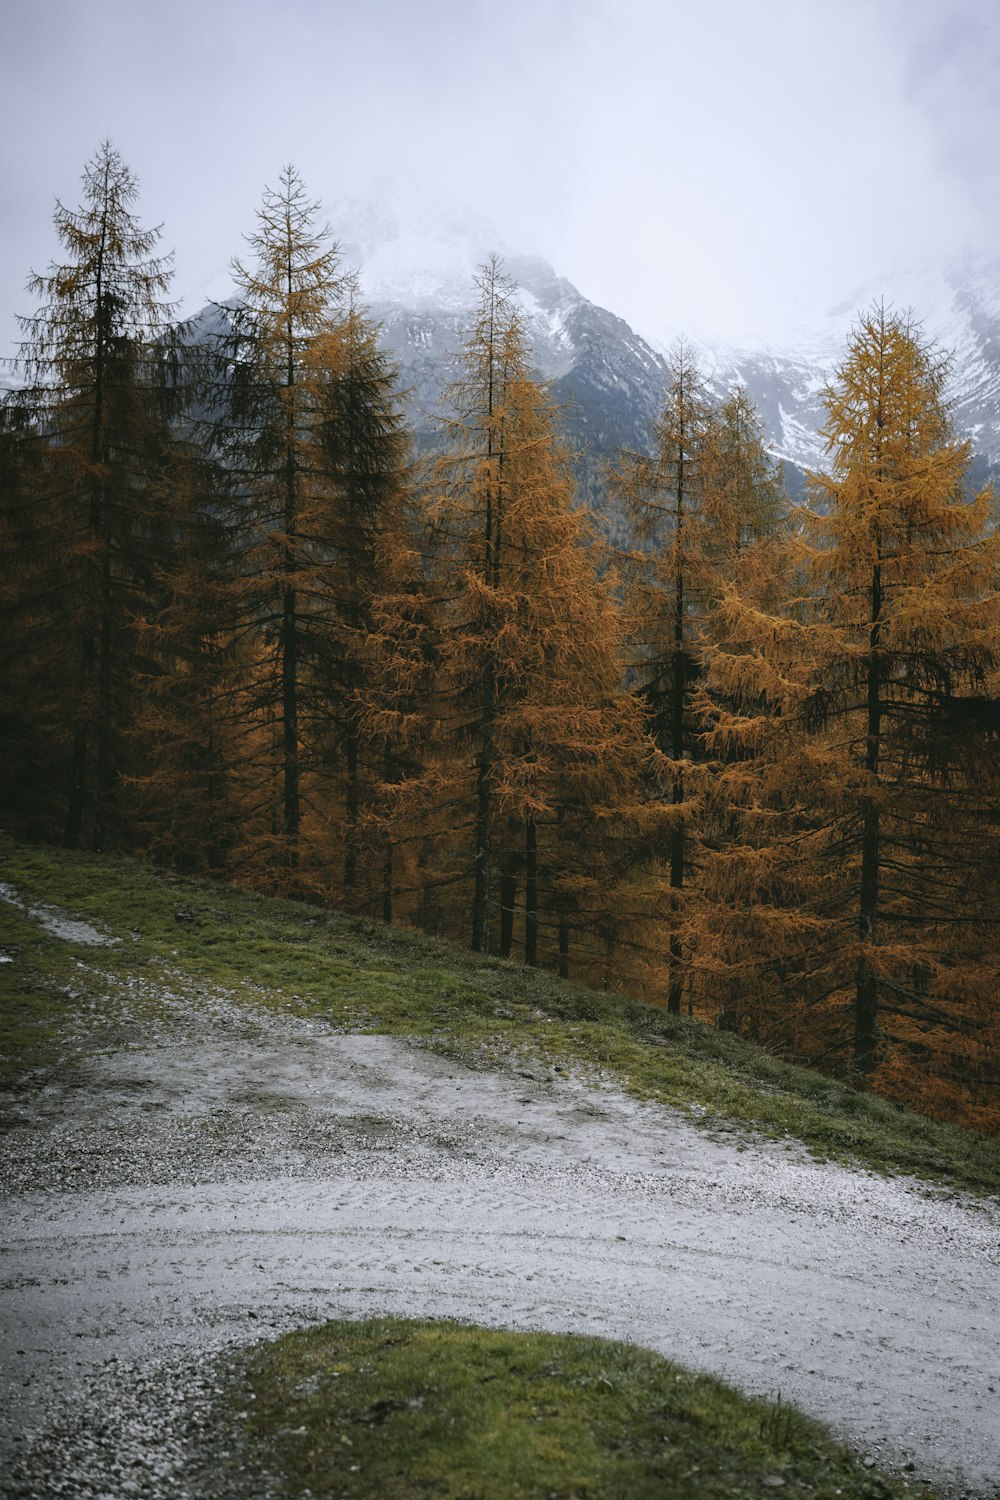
(98, 526)
(77, 789)
(289, 724)
(388, 871)
(678, 700)
(424, 913)
(508, 899)
(484, 801)
(103, 770)
(675, 988)
(289, 634)
(353, 615)
(491, 575)
(563, 919)
(531, 893)
(866, 1001)
(484, 808)
(484, 767)
(387, 880)
(353, 800)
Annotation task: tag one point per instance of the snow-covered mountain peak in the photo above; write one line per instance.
(412, 250)
(418, 257)
(956, 306)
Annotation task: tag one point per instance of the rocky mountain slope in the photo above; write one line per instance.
(957, 306)
(417, 263)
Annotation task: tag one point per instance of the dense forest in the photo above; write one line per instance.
(744, 766)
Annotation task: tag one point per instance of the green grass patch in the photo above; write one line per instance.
(36, 992)
(290, 956)
(394, 1410)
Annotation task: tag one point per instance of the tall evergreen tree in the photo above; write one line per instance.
(102, 381)
(528, 711)
(306, 421)
(696, 504)
(855, 863)
(913, 618)
(469, 503)
(291, 296)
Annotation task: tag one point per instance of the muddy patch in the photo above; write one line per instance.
(56, 922)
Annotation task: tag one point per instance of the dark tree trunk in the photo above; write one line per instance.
(678, 701)
(866, 1000)
(675, 991)
(387, 877)
(492, 523)
(388, 872)
(103, 772)
(289, 718)
(609, 953)
(353, 806)
(77, 790)
(563, 947)
(484, 811)
(98, 526)
(289, 623)
(531, 893)
(508, 899)
(563, 920)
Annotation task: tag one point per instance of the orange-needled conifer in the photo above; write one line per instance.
(698, 505)
(306, 424)
(527, 723)
(855, 922)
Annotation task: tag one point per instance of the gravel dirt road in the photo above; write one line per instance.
(226, 1176)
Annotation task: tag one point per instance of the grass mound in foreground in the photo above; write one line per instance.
(394, 1410)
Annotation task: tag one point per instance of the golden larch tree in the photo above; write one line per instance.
(697, 504)
(867, 706)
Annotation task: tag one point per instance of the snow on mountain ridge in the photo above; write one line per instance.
(956, 307)
(418, 258)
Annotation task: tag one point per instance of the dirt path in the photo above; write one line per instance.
(241, 1176)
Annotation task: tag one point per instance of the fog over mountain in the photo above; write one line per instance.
(417, 262)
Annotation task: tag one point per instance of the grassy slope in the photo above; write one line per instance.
(289, 956)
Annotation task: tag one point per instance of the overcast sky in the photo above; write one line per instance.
(698, 165)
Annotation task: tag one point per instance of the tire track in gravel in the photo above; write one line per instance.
(246, 1176)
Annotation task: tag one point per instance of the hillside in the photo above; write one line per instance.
(228, 1117)
(300, 960)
